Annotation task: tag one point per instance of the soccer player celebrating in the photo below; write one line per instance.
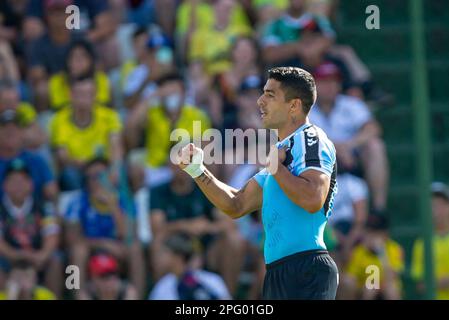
(295, 190)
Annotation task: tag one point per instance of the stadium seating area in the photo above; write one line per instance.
(86, 115)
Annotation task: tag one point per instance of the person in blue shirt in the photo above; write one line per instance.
(12, 148)
(96, 221)
(295, 191)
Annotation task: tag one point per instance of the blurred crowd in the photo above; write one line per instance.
(86, 115)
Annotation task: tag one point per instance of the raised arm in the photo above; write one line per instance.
(235, 203)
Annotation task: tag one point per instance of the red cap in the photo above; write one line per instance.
(327, 70)
(57, 3)
(102, 264)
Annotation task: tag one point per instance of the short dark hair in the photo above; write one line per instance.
(182, 245)
(169, 77)
(296, 83)
(139, 31)
(97, 160)
(86, 46)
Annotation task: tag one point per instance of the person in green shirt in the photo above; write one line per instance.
(297, 38)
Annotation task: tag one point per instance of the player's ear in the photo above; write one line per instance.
(296, 105)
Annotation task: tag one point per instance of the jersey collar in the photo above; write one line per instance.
(301, 128)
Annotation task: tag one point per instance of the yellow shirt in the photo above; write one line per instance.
(40, 293)
(213, 47)
(278, 4)
(158, 142)
(85, 143)
(205, 17)
(362, 257)
(441, 262)
(59, 90)
(26, 113)
(125, 70)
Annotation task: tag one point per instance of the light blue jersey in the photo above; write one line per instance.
(289, 228)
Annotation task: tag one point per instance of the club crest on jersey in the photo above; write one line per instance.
(311, 136)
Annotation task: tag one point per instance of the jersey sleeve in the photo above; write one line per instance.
(310, 149)
(260, 177)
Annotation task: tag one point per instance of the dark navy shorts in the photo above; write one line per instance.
(308, 275)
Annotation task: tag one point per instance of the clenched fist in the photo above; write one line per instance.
(190, 159)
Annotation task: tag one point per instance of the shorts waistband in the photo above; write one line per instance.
(295, 256)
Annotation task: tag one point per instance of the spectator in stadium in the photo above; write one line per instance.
(23, 284)
(84, 131)
(267, 11)
(349, 214)
(96, 222)
(245, 64)
(28, 228)
(141, 13)
(139, 40)
(46, 51)
(248, 113)
(12, 13)
(158, 60)
(12, 147)
(212, 45)
(184, 282)
(324, 8)
(297, 38)
(194, 15)
(80, 61)
(9, 67)
(440, 214)
(97, 24)
(376, 255)
(105, 282)
(34, 135)
(179, 206)
(164, 111)
(356, 134)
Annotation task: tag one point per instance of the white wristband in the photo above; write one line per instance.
(196, 167)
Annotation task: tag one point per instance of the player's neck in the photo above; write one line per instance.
(291, 127)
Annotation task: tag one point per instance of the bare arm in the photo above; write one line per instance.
(50, 244)
(116, 147)
(161, 227)
(135, 125)
(370, 130)
(235, 203)
(64, 159)
(104, 27)
(9, 252)
(10, 65)
(309, 190)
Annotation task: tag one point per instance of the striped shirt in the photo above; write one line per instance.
(289, 228)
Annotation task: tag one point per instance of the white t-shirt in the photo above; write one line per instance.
(351, 189)
(347, 117)
(167, 287)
